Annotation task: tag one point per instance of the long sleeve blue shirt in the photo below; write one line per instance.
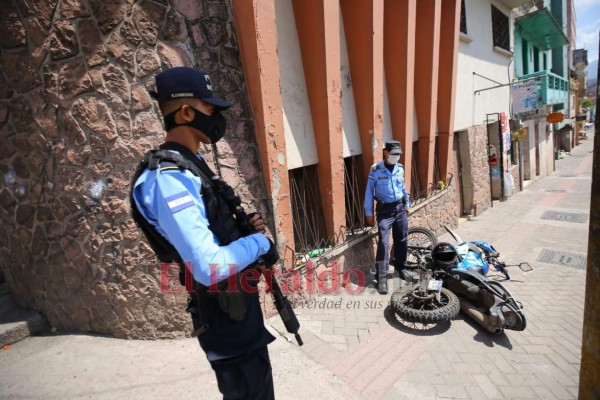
(170, 200)
(385, 185)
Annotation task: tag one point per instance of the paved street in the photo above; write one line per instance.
(355, 348)
(363, 344)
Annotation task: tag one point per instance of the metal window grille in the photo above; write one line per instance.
(419, 191)
(309, 224)
(415, 182)
(500, 29)
(463, 18)
(354, 199)
(436, 164)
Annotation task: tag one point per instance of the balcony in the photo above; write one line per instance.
(541, 29)
(552, 88)
(515, 3)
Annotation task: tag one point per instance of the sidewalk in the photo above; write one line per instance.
(363, 343)
(359, 350)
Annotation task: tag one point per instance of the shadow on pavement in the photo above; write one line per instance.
(414, 328)
(487, 338)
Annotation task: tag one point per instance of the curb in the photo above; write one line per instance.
(17, 324)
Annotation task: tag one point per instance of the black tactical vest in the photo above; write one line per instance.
(229, 323)
(220, 215)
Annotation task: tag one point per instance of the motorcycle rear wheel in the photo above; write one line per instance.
(417, 236)
(414, 308)
(422, 237)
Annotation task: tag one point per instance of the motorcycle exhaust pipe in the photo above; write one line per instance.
(492, 323)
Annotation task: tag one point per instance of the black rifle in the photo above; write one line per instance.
(282, 304)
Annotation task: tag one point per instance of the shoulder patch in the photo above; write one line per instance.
(179, 201)
(374, 167)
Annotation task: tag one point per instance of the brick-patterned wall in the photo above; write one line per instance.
(75, 118)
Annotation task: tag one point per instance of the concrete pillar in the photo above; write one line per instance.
(426, 84)
(363, 20)
(257, 36)
(318, 26)
(450, 28)
(399, 55)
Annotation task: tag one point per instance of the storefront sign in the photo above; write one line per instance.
(533, 114)
(555, 117)
(526, 96)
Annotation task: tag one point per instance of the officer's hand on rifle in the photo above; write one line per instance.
(257, 222)
(271, 257)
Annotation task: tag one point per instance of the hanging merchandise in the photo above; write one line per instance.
(495, 172)
(493, 159)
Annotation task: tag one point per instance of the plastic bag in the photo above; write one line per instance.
(509, 184)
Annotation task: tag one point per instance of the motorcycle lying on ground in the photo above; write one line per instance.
(453, 278)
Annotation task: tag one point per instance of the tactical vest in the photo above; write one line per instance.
(220, 216)
(222, 222)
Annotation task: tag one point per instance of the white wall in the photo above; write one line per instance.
(546, 148)
(479, 56)
(301, 149)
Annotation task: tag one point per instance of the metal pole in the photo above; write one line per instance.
(501, 137)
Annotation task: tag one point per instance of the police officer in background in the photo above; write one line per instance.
(177, 205)
(386, 187)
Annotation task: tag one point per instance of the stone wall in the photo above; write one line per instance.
(75, 118)
(480, 170)
(438, 211)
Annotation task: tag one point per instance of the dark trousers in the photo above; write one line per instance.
(391, 217)
(247, 377)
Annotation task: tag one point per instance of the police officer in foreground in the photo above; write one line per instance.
(185, 212)
(386, 187)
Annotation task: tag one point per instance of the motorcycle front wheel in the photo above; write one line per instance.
(412, 306)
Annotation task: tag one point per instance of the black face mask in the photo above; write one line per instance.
(212, 126)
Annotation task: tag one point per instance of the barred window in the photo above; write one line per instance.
(354, 198)
(500, 29)
(415, 184)
(463, 18)
(309, 224)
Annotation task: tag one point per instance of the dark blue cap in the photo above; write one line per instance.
(185, 82)
(393, 147)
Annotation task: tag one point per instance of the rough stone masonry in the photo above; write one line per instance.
(75, 118)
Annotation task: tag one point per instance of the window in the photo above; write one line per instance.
(309, 224)
(463, 18)
(353, 196)
(525, 52)
(415, 184)
(500, 29)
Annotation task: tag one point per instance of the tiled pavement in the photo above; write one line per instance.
(358, 338)
(355, 349)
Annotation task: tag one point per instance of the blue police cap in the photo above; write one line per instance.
(393, 147)
(185, 82)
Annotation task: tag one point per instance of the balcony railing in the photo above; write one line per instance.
(554, 89)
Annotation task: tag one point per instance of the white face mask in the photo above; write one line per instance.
(393, 158)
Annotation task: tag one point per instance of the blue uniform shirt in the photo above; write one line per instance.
(169, 198)
(385, 186)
